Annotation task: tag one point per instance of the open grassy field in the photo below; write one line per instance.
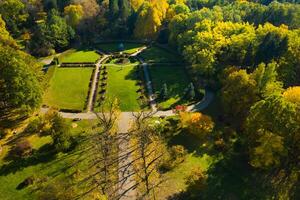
(113, 47)
(75, 56)
(156, 54)
(121, 84)
(43, 164)
(176, 80)
(68, 88)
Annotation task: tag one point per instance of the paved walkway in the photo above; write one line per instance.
(94, 84)
(126, 186)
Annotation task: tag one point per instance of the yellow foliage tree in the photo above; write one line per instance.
(73, 14)
(197, 123)
(292, 94)
(150, 18)
(5, 37)
(136, 4)
(269, 150)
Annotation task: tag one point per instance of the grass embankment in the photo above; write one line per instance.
(68, 88)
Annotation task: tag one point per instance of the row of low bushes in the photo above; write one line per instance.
(144, 99)
(89, 91)
(97, 86)
(77, 65)
(100, 94)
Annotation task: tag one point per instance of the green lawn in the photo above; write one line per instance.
(113, 47)
(44, 164)
(197, 157)
(155, 54)
(121, 85)
(75, 56)
(177, 81)
(68, 88)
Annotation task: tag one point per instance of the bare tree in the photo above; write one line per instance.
(101, 172)
(148, 155)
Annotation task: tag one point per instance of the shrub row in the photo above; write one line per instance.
(77, 65)
(89, 91)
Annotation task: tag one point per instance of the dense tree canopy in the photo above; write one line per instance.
(20, 88)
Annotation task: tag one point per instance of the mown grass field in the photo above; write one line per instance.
(177, 81)
(114, 47)
(75, 56)
(156, 54)
(44, 164)
(121, 85)
(68, 88)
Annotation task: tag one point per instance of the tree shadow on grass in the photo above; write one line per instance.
(45, 154)
(191, 143)
(133, 74)
(230, 178)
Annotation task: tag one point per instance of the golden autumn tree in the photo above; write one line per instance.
(150, 18)
(148, 155)
(292, 94)
(73, 14)
(5, 37)
(136, 4)
(197, 123)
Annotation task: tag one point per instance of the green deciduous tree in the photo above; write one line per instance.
(14, 14)
(239, 94)
(60, 133)
(20, 83)
(55, 33)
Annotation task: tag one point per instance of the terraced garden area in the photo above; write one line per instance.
(118, 78)
(68, 88)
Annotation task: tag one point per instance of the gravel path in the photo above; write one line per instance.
(94, 84)
(126, 187)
